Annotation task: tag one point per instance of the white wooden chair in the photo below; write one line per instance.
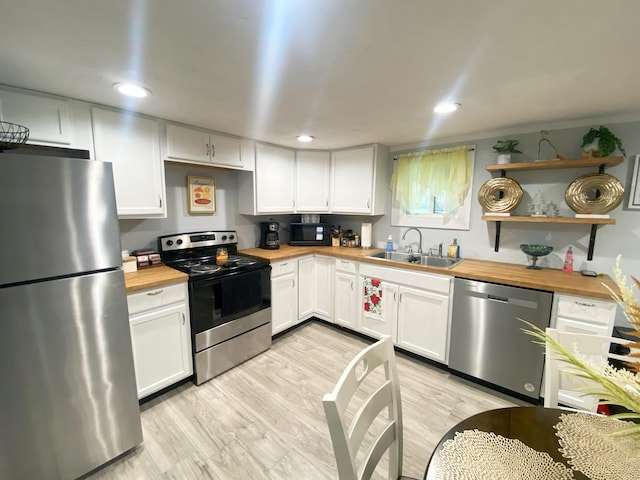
(560, 381)
(347, 437)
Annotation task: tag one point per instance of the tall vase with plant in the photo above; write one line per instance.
(601, 142)
(613, 386)
(505, 148)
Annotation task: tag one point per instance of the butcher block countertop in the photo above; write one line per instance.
(153, 277)
(548, 279)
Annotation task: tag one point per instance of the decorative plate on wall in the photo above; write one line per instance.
(500, 195)
(594, 193)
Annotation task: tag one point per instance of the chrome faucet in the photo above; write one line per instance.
(419, 233)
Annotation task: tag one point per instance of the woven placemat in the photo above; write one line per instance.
(587, 443)
(476, 455)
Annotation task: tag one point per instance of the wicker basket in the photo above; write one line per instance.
(12, 135)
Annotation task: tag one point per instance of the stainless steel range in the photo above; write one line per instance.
(229, 298)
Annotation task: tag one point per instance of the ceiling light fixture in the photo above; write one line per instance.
(447, 107)
(132, 90)
(305, 138)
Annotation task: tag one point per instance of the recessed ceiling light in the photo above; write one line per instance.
(447, 107)
(305, 138)
(132, 90)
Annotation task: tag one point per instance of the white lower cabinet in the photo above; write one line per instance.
(576, 314)
(413, 308)
(346, 312)
(160, 336)
(323, 288)
(284, 295)
(423, 322)
(306, 287)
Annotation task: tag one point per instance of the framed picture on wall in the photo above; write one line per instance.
(201, 195)
(634, 192)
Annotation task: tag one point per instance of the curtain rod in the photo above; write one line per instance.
(472, 149)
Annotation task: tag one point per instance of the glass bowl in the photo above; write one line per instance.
(535, 251)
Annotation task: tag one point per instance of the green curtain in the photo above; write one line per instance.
(446, 173)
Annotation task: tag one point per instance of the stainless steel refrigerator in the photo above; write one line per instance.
(68, 395)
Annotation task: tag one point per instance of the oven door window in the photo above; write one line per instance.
(220, 300)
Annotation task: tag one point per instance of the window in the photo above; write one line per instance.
(432, 188)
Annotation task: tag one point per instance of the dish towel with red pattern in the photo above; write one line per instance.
(372, 297)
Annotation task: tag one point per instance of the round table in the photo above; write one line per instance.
(533, 426)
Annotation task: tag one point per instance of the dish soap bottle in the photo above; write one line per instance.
(390, 244)
(568, 261)
(453, 250)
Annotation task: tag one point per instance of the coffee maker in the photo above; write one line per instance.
(269, 237)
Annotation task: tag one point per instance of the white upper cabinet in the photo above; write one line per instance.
(192, 145)
(359, 180)
(312, 181)
(46, 117)
(132, 144)
(274, 179)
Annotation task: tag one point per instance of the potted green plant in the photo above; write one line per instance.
(601, 142)
(505, 149)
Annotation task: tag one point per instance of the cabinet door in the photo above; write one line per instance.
(161, 348)
(47, 118)
(312, 181)
(132, 144)
(187, 144)
(385, 323)
(275, 168)
(352, 180)
(225, 151)
(324, 268)
(284, 302)
(346, 304)
(423, 319)
(306, 287)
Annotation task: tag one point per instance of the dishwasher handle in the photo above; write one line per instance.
(495, 298)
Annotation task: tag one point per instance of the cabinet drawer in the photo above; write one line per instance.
(587, 309)
(282, 268)
(345, 265)
(156, 297)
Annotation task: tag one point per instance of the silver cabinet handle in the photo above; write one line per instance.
(395, 296)
(285, 264)
(207, 145)
(183, 319)
(160, 201)
(585, 304)
(294, 203)
(157, 292)
(293, 283)
(213, 150)
(351, 285)
(368, 203)
(326, 203)
(400, 298)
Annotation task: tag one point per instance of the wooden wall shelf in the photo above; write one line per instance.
(599, 163)
(581, 221)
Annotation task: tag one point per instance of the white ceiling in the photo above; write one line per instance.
(348, 72)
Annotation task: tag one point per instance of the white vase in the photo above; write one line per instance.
(504, 158)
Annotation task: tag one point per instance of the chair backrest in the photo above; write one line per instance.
(594, 348)
(347, 436)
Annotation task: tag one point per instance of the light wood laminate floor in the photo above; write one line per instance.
(264, 419)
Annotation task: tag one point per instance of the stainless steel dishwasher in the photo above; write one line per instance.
(487, 342)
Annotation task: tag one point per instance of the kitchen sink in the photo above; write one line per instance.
(418, 259)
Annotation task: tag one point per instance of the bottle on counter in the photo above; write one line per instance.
(568, 261)
(453, 251)
(390, 243)
(335, 236)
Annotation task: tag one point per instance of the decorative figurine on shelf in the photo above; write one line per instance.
(538, 207)
(544, 139)
(505, 149)
(552, 209)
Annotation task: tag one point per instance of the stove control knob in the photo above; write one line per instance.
(224, 237)
(179, 241)
(169, 243)
(231, 237)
